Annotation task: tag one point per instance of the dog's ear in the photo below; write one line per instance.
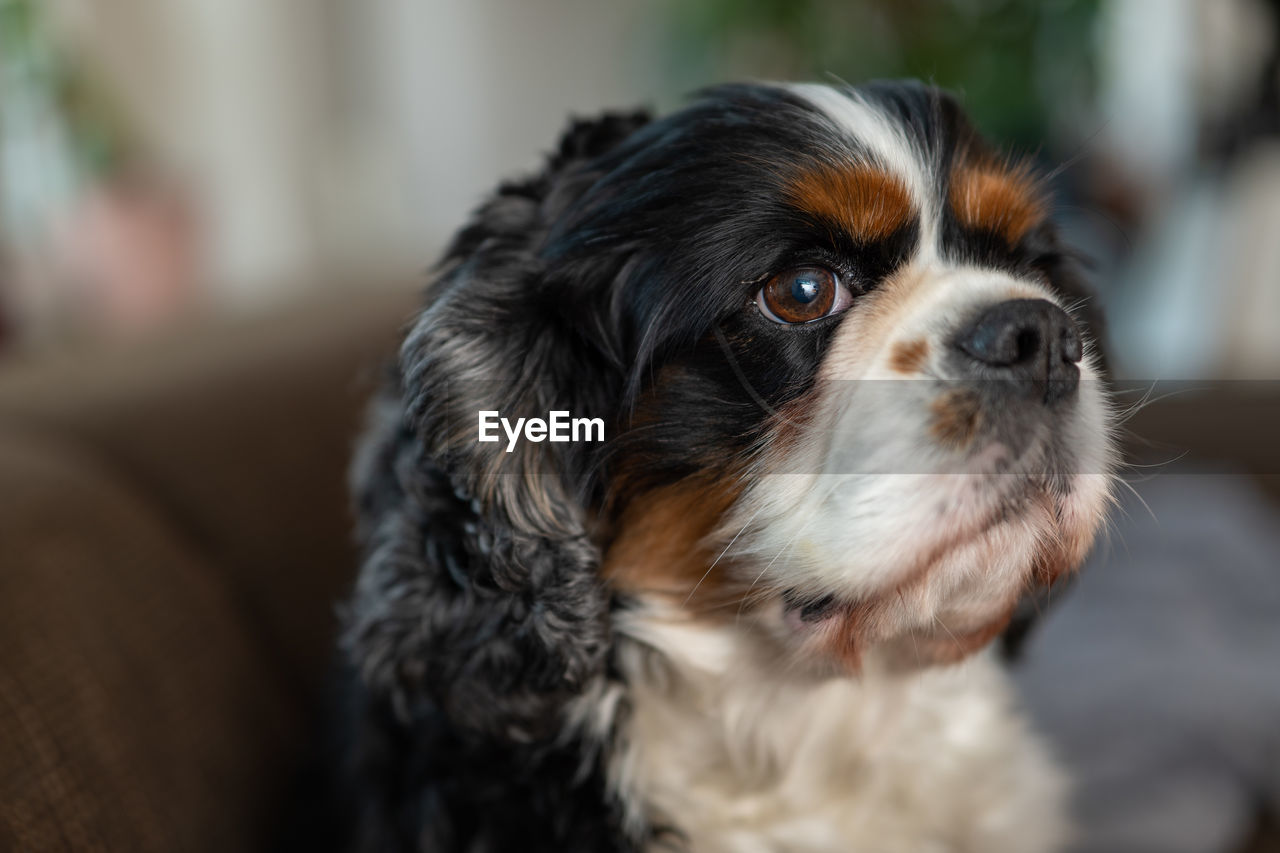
(479, 594)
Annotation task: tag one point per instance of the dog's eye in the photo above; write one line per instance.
(802, 294)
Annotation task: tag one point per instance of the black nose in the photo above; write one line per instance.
(1030, 343)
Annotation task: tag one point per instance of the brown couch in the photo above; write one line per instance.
(173, 539)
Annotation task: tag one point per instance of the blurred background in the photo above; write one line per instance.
(214, 214)
(160, 159)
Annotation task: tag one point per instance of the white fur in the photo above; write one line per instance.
(744, 757)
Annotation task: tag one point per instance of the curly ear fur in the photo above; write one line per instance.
(479, 594)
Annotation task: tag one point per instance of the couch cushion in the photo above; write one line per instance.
(136, 711)
(173, 538)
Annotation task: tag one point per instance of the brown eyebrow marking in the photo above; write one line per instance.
(869, 203)
(990, 196)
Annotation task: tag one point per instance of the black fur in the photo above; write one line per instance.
(478, 612)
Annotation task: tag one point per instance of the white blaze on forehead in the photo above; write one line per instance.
(883, 138)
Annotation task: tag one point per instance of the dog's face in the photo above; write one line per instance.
(851, 405)
(891, 427)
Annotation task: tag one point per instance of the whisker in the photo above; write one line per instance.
(722, 553)
(944, 627)
(915, 647)
(1163, 464)
(1147, 400)
(786, 545)
(1140, 498)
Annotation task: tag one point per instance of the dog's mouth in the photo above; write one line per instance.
(801, 611)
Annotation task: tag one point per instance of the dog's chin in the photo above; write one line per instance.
(951, 596)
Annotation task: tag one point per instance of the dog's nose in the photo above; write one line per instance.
(1030, 343)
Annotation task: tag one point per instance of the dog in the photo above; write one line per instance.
(851, 412)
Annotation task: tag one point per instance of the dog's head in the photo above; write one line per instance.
(849, 400)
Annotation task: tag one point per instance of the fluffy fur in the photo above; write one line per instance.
(735, 624)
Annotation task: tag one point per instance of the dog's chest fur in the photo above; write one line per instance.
(735, 755)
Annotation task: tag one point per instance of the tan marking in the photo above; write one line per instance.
(875, 320)
(868, 203)
(662, 544)
(990, 196)
(957, 415)
(909, 357)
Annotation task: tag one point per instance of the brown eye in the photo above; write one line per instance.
(801, 294)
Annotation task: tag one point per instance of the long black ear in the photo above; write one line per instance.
(479, 594)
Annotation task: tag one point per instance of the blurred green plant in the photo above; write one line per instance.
(1019, 65)
(41, 82)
